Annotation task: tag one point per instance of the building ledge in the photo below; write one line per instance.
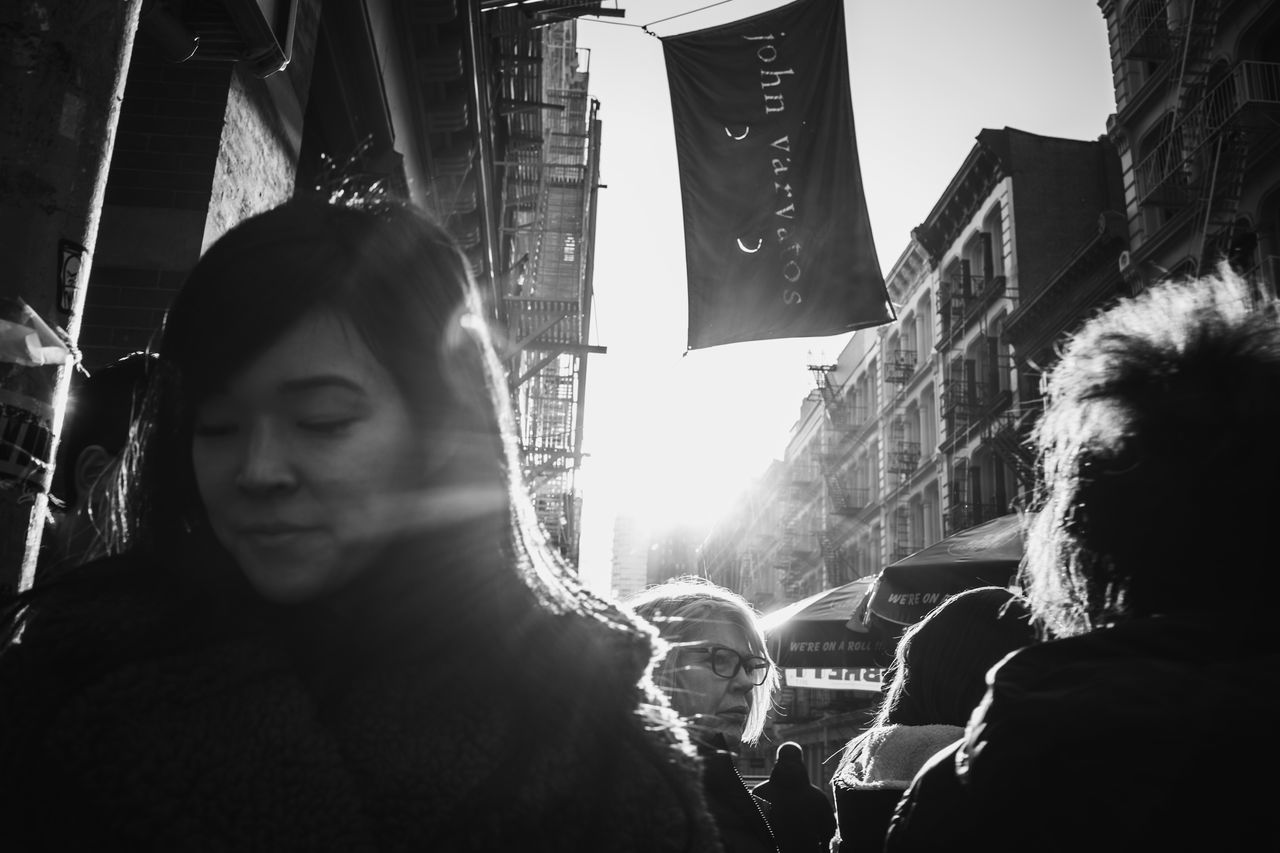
(1057, 295)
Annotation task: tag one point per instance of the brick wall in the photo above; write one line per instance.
(262, 133)
(157, 195)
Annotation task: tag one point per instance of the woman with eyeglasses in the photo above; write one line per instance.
(719, 677)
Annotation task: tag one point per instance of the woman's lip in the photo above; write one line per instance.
(274, 529)
(270, 536)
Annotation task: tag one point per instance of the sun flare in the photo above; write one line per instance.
(674, 487)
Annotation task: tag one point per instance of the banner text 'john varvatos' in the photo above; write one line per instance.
(777, 238)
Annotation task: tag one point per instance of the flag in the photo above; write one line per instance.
(777, 239)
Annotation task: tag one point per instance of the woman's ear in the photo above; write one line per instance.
(90, 466)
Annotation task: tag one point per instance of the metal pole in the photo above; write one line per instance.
(479, 69)
(60, 95)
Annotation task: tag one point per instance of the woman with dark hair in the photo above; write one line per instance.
(331, 621)
(720, 679)
(938, 678)
(1143, 723)
(100, 409)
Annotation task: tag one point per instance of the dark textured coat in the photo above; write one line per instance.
(134, 716)
(800, 815)
(739, 814)
(1147, 736)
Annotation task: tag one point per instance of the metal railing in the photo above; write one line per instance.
(900, 365)
(904, 456)
(1166, 174)
(1144, 30)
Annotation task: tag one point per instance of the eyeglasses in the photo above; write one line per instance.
(725, 662)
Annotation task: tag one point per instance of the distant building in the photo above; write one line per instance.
(740, 552)
(629, 572)
(673, 552)
(914, 432)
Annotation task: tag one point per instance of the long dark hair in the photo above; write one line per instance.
(478, 599)
(393, 275)
(404, 285)
(938, 675)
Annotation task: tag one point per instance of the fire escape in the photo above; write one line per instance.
(904, 375)
(798, 570)
(902, 459)
(958, 511)
(1196, 167)
(844, 502)
(1008, 434)
(548, 179)
(978, 409)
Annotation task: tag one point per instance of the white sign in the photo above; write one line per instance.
(867, 678)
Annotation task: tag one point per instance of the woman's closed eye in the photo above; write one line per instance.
(327, 414)
(214, 429)
(325, 408)
(335, 424)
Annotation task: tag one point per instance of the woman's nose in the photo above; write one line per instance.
(264, 464)
(741, 681)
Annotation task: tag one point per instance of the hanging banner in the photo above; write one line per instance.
(777, 239)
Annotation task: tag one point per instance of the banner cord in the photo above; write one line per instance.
(690, 12)
(645, 27)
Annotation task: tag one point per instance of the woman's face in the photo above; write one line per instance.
(713, 704)
(301, 456)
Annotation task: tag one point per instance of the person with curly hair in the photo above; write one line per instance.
(1141, 723)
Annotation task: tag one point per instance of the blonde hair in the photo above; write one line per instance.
(680, 609)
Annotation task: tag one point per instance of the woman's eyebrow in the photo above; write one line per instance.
(323, 380)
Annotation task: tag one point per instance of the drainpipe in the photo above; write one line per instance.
(61, 85)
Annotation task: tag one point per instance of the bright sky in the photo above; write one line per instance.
(673, 437)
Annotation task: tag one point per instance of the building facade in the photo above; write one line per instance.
(909, 436)
(1013, 219)
(1197, 124)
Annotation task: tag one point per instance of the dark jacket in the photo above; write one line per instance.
(880, 764)
(739, 814)
(800, 815)
(863, 816)
(1147, 736)
(135, 716)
